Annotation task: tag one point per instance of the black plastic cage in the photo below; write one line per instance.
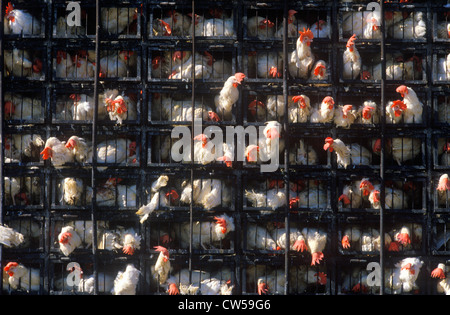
(130, 73)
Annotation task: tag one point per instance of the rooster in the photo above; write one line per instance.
(302, 59)
(21, 277)
(20, 22)
(352, 60)
(324, 113)
(354, 154)
(126, 281)
(299, 109)
(207, 234)
(345, 116)
(117, 20)
(57, 152)
(228, 96)
(258, 26)
(162, 265)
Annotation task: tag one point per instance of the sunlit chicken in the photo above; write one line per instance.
(21, 277)
(120, 107)
(83, 68)
(19, 63)
(316, 241)
(272, 198)
(64, 65)
(414, 107)
(365, 24)
(443, 193)
(302, 154)
(208, 193)
(297, 241)
(324, 112)
(213, 27)
(413, 27)
(228, 96)
(175, 24)
(12, 189)
(117, 20)
(83, 108)
(402, 278)
(71, 191)
(162, 265)
(302, 59)
(158, 199)
(200, 65)
(9, 237)
(353, 154)
(319, 71)
(272, 283)
(269, 65)
(321, 29)
(207, 234)
(313, 196)
(126, 281)
(440, 272)
(57, 152)
(345, 116)
(368, 113)
(352, 60)
(351, 196)
(20, 22)
(350, 237)
(68, 240)
(405, 149)
(113, 65)
(294, 25)
(396, 69)
(105, 283)
(299, 109)
(261, 27)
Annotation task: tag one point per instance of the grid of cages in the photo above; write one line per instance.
(48, 91)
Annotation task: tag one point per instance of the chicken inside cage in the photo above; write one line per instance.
(404, 276)
(22, 191)
(19, 20)
(351, 154)
(367, 239)
(442, 26)
(23, 148)
(442, 72)
(86, 26)
(214, 22)
(442, 109)
(442, 195)
(170, 22)
(18, 276)
(265, 279)
(119, 20)
(20, 106)
(20, 63)
(305, 152)
(121, 151)
(353, 280)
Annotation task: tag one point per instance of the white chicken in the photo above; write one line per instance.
(117, 20)
(126, 281)
(20, 22)
(21, 277)
(272, 198)
(319, 71)
(207, 234)
(443, 68)
(321, 29)
(83, 67)
(293, 26)
(64, 65)
(105, 283)
(413, 27)
(158, 199)
(353, 154)
(261, 27)
(68, 240)
(352, 60)
(345, 116)
(443, 29)
(368, 113)
(443, 194)
(299, 109)
(57, 152)
(213, 27)
(12, 189)
(176, 24)
(9, 237)
(71, 191)
(114, 65)
(228, 96)
(365, 24)
(351, 237)
(162, 265)
(120, 107)
(302, 59)
(351, 196)
(199, 64)
(403, 277)
(314, 196)
(316, 241)
(18, 63)
(20, 107)
(323, 113)
(272, 283)
(259, 238)
(405, 149)
(302, 154)
(297, 241)
(440, 272)
(130, 240)
(412, 113)
(269, 65)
